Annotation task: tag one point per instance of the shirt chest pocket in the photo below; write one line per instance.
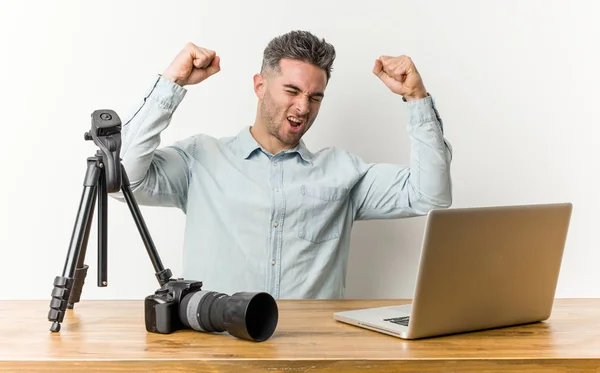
(323, 209)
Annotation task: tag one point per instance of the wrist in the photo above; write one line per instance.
(174, 79)
(416, 95)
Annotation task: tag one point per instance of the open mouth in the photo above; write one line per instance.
(296, 123)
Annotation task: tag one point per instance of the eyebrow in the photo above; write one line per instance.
(316, 94)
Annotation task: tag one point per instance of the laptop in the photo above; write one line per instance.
(480, 268)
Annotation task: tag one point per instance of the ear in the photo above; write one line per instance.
(259, 85)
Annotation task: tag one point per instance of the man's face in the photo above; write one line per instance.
(291, 100)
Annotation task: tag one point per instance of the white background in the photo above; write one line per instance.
(514, 81)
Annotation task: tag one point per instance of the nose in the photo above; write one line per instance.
(302, 106)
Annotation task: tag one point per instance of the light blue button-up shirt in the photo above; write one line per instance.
(278, 223)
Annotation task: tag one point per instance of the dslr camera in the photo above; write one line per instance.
(181, 304)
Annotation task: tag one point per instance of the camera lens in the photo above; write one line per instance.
(251, 316)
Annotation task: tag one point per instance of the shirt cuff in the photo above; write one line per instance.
(166, 93)
(421, 110)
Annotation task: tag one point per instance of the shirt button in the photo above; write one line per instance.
(276, 190)
(275, 224)
(274, 163)
(273, 262)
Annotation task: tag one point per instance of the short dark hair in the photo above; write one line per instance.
(299, 45)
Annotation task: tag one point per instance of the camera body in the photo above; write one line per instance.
(161, 309)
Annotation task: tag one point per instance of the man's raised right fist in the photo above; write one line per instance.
(192, 65)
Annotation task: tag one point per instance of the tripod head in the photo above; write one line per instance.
(106, 134)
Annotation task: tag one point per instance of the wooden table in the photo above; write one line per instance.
(110, 335)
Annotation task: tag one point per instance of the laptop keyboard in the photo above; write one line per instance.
(398, 320)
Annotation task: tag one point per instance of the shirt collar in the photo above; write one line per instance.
(246, 145)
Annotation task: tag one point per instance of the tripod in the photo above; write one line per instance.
(104, 175)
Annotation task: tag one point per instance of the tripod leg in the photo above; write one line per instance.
(63, 284)
(102, 230)
(162, 274)
(82, 268)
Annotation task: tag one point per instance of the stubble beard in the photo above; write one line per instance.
(273, 122)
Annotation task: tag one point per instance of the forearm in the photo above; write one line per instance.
(431, 155)
(141, 133)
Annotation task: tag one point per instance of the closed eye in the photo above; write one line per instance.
(293, 91)
(312, 98)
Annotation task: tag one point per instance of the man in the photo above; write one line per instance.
(263, 212)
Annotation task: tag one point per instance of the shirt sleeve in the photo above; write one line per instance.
(158, 177)
(393, 191)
